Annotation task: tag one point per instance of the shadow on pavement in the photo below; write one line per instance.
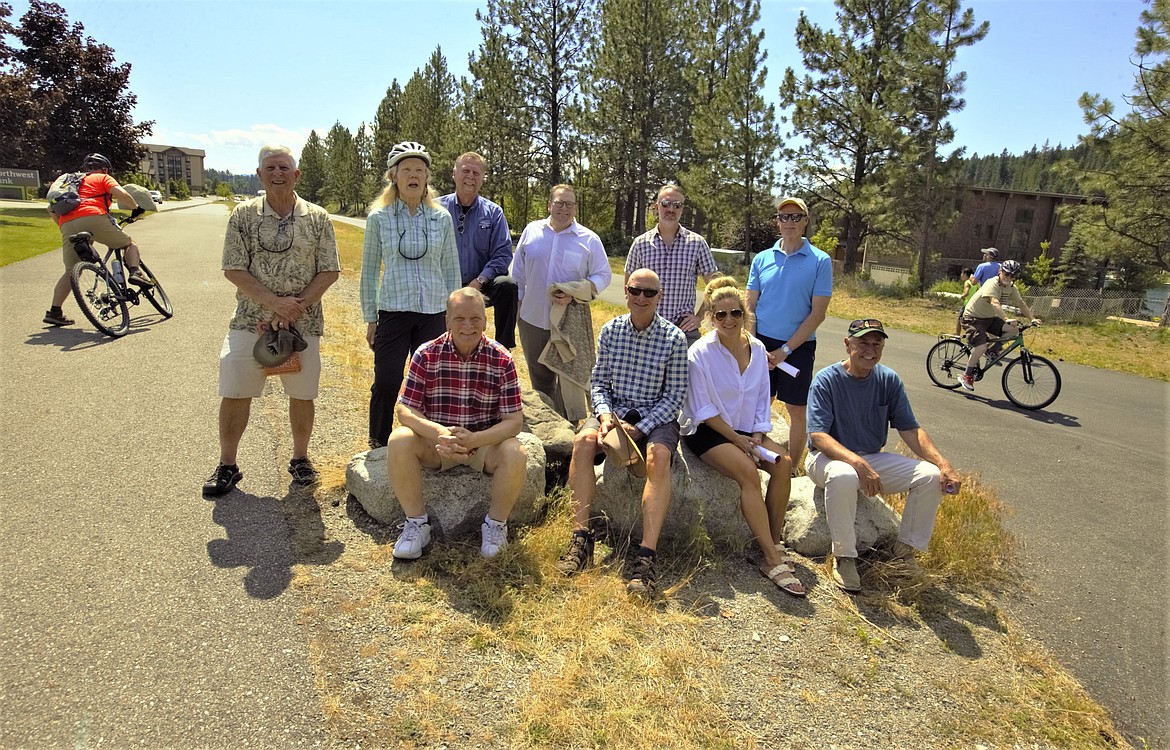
(68, 339)
(269, 536)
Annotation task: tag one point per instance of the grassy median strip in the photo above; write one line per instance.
(571, 663)
(25, 233)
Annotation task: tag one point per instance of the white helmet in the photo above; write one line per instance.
(407, 150)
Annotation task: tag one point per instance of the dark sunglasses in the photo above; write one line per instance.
(635, 291)
(789, 218)
(670, 204)
(722, 314)
(865, 323)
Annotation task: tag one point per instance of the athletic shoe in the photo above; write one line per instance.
(967, 382)
(58, 319)
(413, 540)
(138, 278)
(494, 537)
(222, 480)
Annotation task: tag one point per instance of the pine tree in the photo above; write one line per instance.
(341, 184)
(427, 110)
(387, 126)
(312, 166)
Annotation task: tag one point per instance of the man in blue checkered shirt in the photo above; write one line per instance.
(639, 384)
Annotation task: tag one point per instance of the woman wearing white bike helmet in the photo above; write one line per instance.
(410, 265)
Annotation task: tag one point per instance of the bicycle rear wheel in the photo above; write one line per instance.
(98, 299)
(1031, 382)
(946, 361)
(155, 295)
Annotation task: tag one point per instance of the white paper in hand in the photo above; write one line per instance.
(766, 454)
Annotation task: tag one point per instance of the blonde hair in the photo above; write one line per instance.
(390, 192)
(562, 186)
(726, 287)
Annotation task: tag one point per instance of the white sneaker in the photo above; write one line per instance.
(494, 538)
(967, 382)
(414, 538)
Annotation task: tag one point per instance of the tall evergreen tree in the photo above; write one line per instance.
(736, 135)
(861, 105)
(636, 91)
(387, 125)
(428, 103)
(1131, 227)
(312, 166)
(546, 40)
(341, 168)
(64, 94)
(366, 172)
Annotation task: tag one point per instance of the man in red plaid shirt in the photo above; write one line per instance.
(460, 406)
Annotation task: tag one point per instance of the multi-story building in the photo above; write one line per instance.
(163, 163)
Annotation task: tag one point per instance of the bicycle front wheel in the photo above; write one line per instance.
(155, 295)
(1031, 382)
(946, 361)
(99, 300)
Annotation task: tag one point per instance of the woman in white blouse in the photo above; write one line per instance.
(727, 418)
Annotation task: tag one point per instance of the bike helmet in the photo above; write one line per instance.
(96, 161)
(991, 252)
(406, 150)
(1011, 267)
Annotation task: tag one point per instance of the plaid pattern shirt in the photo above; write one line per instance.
(642, 370)
(678, 265)
(472, 393)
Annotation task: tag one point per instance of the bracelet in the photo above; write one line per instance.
(784, 348)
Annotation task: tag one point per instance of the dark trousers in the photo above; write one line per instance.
(398, 335)
(503, 294)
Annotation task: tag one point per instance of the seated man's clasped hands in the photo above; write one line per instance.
(460, 406)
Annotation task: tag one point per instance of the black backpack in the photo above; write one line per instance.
(65, 193)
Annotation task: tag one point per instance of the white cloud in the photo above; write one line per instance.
(235, 149)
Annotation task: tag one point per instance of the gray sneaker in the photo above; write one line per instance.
(413, 540)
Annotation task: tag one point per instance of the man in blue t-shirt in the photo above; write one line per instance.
(989, 267)
(852, 406)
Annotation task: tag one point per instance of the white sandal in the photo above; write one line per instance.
(782, 576)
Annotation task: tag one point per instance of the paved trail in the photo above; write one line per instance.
(132, 611)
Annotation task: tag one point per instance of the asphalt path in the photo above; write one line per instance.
(132, 611)
(1087, 481)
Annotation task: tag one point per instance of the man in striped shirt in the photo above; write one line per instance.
(460, 406)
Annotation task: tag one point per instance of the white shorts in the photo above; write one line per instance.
(241, 376)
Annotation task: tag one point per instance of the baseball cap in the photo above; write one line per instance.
(797, 201)
(990, 252)
(275, 346)
(862, 326)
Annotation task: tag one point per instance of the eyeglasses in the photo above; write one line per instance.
(564, 204)
(670, 204)
(635, 291)
(789, 218)
(722, 314)
(275, 235)
(426, 245)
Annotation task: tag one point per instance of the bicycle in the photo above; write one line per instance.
(1029, 381)
(103, 295)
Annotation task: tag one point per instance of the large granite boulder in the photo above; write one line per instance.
(456, 499)
(806, 527)
(554, 431)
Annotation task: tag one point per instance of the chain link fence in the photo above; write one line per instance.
(1084, 305)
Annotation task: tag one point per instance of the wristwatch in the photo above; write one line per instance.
(481, 280)
(784, 348)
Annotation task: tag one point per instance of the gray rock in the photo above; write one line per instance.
(554, 431)
(806, 529)
(457, 499)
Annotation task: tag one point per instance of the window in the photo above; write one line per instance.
(1022, 228)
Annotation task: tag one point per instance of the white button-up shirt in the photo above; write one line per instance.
(718, 388)
(545, 257)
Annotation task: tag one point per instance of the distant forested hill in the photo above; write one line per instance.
(242, 184)
(1032, 170)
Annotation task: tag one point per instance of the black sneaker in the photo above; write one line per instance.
(303, 473)
(579, 556)
(138, 278)
(58, 319)
(222, 480)
(643, 579)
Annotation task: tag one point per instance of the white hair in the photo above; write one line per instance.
(275, 149)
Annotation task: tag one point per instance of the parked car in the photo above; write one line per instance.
(156, 196)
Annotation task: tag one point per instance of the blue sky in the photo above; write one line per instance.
(229, 77)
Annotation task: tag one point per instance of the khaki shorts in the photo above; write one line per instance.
(103, 229)
(475, 460)
(241, 376)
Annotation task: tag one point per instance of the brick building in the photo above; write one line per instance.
(163, 163)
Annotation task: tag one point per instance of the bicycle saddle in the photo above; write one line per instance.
(81, 237)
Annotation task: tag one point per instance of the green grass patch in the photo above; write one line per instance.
(25, 233)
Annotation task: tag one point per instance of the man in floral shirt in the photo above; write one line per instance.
(281, 254)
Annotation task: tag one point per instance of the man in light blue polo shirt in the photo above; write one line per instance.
(788, 289)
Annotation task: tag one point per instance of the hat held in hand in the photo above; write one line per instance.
(276, 345)
(623, 452)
